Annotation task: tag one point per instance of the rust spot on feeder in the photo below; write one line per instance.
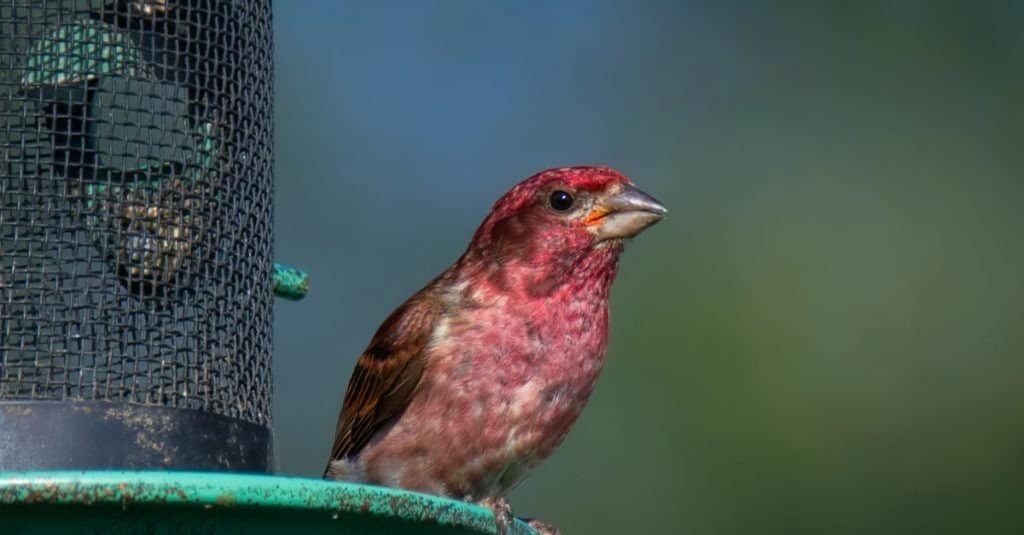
(226, 499)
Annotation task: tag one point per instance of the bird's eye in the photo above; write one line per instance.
(561, 200)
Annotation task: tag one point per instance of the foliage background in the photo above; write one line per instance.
(827, 334)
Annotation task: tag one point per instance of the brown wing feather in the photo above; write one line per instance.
(386, 374)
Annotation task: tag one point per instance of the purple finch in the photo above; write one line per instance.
(478, 377)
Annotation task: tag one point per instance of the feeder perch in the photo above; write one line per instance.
(290, 283)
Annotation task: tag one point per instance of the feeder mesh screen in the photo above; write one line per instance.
(135, 203)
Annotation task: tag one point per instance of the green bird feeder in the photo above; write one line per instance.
(137, 282)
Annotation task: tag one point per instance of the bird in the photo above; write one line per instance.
(475, 379)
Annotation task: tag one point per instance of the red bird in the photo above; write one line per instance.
(478, 377)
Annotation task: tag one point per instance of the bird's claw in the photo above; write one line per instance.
(502, 513)
(503, 518)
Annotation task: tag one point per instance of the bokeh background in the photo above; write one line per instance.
(826, 335)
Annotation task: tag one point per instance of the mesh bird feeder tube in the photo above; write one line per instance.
(135, 234)
(136, 280)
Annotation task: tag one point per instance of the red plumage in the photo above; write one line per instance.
(479, 376)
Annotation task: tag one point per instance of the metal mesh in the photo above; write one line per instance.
(135, 203)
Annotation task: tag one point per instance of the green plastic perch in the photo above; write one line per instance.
(194, 502)
(290, 283)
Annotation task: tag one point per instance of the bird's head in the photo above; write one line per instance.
(560, 221)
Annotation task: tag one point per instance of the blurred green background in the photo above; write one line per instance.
(826, 335)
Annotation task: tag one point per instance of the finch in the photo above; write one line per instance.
(478, 377)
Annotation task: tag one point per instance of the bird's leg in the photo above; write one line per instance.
(543, 528)
(503, 517)
(502, 512)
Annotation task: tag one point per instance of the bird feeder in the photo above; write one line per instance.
(137, 278)
(135, 234)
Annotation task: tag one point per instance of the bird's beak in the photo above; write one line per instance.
(624, 214)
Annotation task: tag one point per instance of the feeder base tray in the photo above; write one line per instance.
(211, 502)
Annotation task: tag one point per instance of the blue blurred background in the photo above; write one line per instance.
(826, 335)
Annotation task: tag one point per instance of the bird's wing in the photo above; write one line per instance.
(386, 374)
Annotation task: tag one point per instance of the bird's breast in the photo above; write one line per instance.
(502, 386)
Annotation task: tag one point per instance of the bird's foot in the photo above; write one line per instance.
(543, 528)
(502, 513)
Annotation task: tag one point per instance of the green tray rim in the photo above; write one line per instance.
(209, 490)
